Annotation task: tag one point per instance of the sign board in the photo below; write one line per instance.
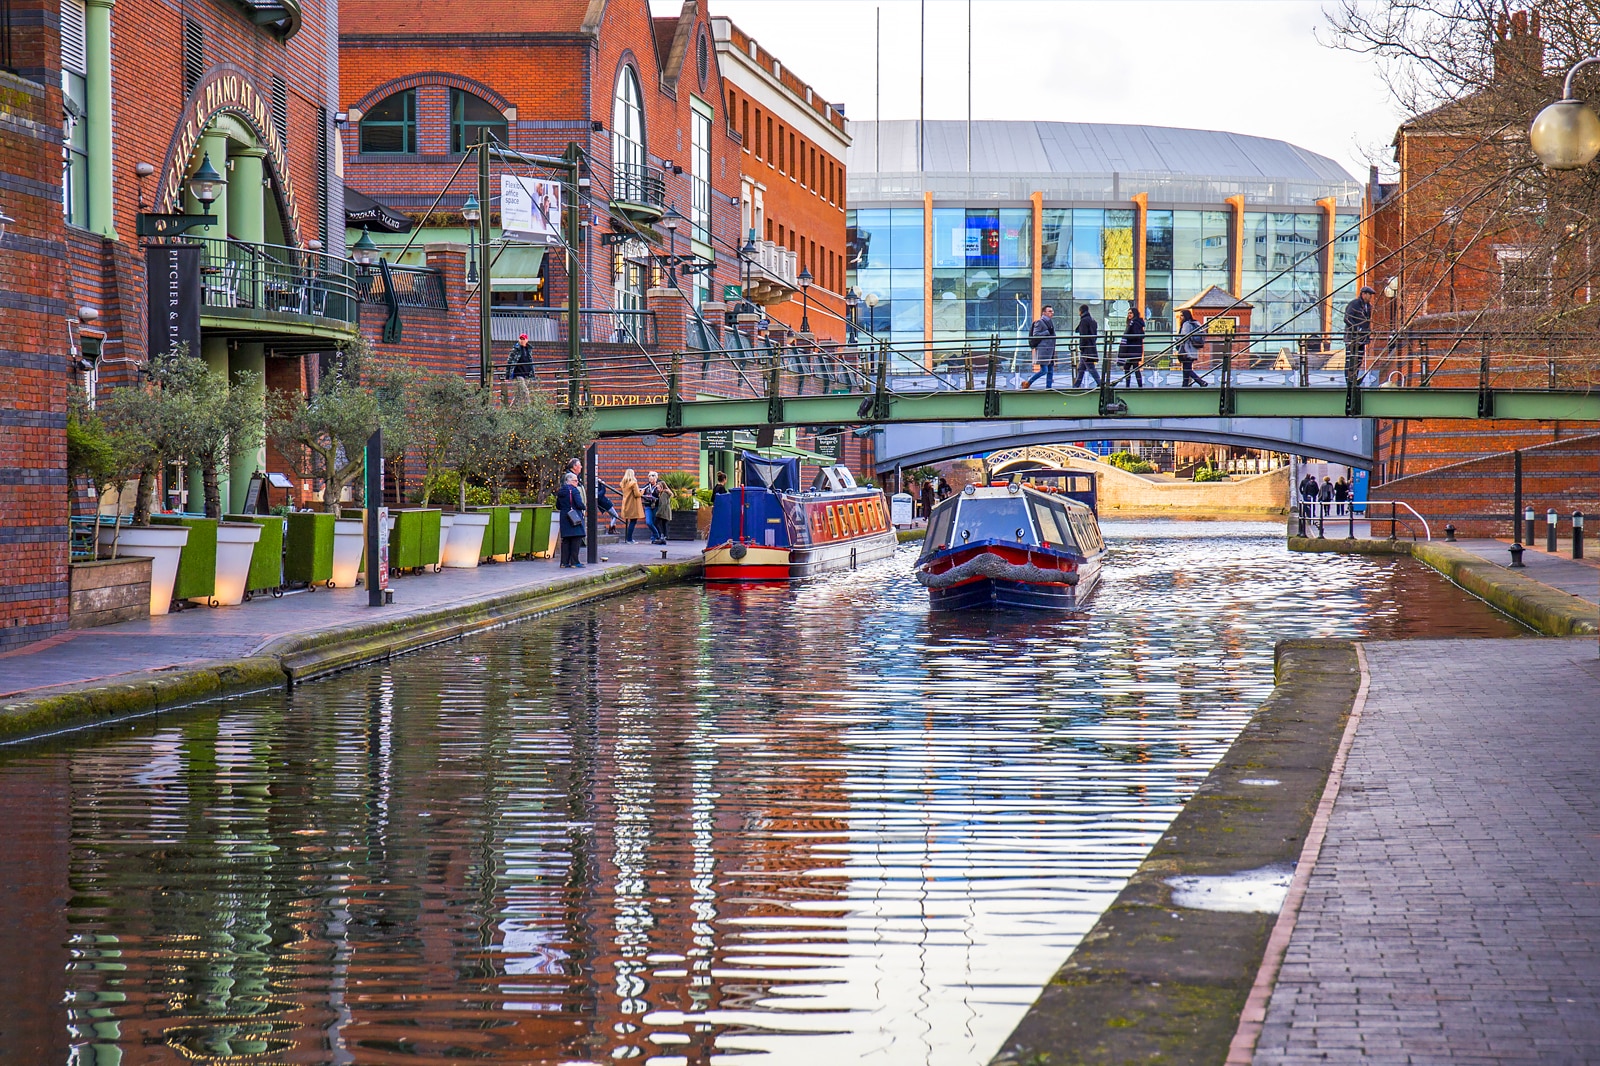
(831, 445)
(731, 293)
(383, 545)
(717, 440)
(172, 295)
(900, 508)
(530, 208)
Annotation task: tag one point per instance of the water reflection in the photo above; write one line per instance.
(683, 826)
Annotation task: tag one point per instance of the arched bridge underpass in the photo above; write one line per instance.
(1347, 441)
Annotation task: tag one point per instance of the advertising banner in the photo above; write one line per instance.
(530, 209)
(172, 287)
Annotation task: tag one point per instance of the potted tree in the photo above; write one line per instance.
(685, 503)
(107, 590)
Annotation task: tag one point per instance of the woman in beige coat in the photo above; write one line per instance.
(632, 504)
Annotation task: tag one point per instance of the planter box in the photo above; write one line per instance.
(197, 569)
(349, 541)
(236, 546)
(162, 545)
(308, 549)
(683, 526)
(468, 531)
(445, 522)
(497, 537)
(533, 535)
(266, 562)
(516, 524)
(414, 544)
(107, 591)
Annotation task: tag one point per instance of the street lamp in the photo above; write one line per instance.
(206, 185)
(805, 300)
(1566, 134)
(747, 257)
(471, 212)
(852, 300)
(670, 222)
(364, 252)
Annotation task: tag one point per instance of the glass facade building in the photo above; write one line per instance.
(948, 254)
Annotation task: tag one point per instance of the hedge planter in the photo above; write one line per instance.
(349, 540)
(162, 545)
(236, 548)
(467, 534)
(533, 535)
(266, 560)
(197, 566)
(497, 537)
(414, 543)
(683, 526)
(308, 549)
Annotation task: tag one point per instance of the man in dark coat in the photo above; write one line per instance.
(519, 368)
(1131, 352)
(571, 508)
(928, 498)
(1042, 339)
(1357, 330)
(1088, 331)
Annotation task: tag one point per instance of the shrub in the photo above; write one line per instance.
(1129, 462)
(683, 485)
(1210, 473)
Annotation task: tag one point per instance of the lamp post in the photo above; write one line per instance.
(364, 252)
(471, 212)
(805, 300)
(1566, 134)
(670, 222)
(206, 185)
(747, 257)
(852, 300)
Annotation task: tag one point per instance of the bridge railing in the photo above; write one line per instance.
(731, 363)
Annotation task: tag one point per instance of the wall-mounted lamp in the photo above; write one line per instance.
(88, 314)
(341, 119)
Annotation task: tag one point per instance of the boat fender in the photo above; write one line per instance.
(993, 566)
(738, 551)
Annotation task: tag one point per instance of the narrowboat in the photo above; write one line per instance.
(1011, 544)
(769, 529)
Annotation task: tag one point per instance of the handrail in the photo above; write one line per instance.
(1426, 532)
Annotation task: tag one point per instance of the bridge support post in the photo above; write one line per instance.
(674, 399)
(880, 399)
(1485, 393)
(966, 358)
(775, 389)
(1225, 397)
(991, 387)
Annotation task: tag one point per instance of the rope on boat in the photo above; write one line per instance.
(993, 566)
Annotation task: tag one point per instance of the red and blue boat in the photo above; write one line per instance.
(769, 529)
(1012, 544)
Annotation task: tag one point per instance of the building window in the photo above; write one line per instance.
(280, 108)
(627, 126)
(700, 171)
(474, 120)
(744, 122)
(702, 60)
(1524, 277)
(75, 110)
(390, 128)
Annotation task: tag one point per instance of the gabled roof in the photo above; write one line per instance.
(1215, 298)
(673, 41)
(430, 18)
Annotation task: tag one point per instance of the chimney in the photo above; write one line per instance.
(1518, 49)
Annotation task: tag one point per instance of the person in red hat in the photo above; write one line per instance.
(519, 368)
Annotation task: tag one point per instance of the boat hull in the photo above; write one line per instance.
(989, 593)
(754, 563)
(758, 563)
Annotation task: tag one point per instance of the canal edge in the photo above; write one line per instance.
(1242, 1051)
(283, 662)
(1154, 982)
(1546, 610)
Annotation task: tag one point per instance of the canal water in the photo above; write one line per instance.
(810, 825)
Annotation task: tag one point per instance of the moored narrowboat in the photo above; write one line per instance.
(768, 529)
(1011, 545)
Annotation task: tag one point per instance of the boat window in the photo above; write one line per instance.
(992, 519)
(833, 522)
(939, 527)
(1045, 519)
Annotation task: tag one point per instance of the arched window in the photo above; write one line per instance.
(471, 117)
(627, 127)
(390, 128)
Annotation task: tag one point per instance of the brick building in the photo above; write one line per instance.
(792, 162)
(34, 311)
(645, 102)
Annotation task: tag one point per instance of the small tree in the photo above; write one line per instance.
(441, 409)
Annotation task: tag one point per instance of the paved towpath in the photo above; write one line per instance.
(1454, 914)
(191, 636)
(1580, 577)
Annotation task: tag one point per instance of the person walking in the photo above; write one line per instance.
(1191, 335)
(1130, 354)
(650, 495)
(1308, 494)
(1325, 496)
(1042, 339)
(1341, 496)
(632, 504)
(1357, 331)
(929, 497)
(604, 505)
(1088, 331)
(663, 510)
(570, 505)
(519, 368)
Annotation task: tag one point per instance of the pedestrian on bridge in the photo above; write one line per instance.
(1357, 331)
(1042, 339)
(1191, 335)
(1088, 331)
(519, 368)
(1131, 352)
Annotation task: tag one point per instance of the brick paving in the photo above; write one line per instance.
(1578, 577)
(1454, 914)
(200, 634)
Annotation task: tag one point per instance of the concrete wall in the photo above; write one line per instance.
(1126, 495)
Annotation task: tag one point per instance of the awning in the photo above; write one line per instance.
(515, 266)
(362, 210)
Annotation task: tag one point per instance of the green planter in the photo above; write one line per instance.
(497, 536)
(535, 529)
(308, 549)
(197, 566)
(266, 565)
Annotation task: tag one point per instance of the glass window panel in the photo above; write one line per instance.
(1045, 519)
(983, 238)
(949, 237)
(471, 118)
(1055, 239)
(996, 519)
(1089, 286)
(1158, 240)
(1087, 251)
(906, 225)
(907, 317)
(1016, 243)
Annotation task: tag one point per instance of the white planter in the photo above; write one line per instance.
(236, 544)
(516, 519)
(348, 537)
(444, 534)
(465, 546)
(162, 545)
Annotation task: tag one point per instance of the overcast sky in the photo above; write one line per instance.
(1247, 66)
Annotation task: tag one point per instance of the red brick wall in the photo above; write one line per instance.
(33, 347)
(1476, 496)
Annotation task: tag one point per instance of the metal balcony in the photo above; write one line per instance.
(638, 191)
(272, 290)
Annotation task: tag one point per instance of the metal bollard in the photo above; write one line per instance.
(1449, 534)
(1577, 534)
(1550, 531)
(1527, 519)
(1516, 556)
